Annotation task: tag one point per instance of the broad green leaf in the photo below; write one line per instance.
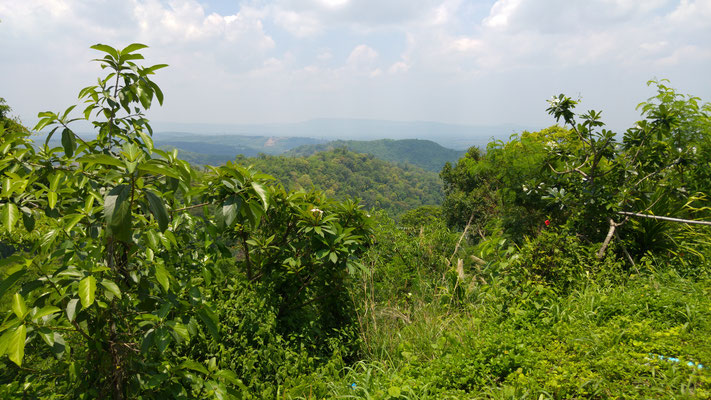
(228, 375)
(87, 288)
(154, 166)
(210, 322)
(181, 330)
(28, 220)
(133, 47)
(106, 49)
(162, 339)
(5, 341)
(16, 347)
(155, 204)
(10, 215)
(195, 366)
(10, 280)
(72, 220)
(162, 277)
(18, 306)
(51, 199)
(111, 287)
(69, 142)
(47, 335)
(101, 159)
(59, 346)
(227, 214)
(157, 379)
(46, 311)
(48, 238)
(262, 193)
(117, 211)
(147, 140)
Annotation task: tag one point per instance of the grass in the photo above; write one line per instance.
(603, 340)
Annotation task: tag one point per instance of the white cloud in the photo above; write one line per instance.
(362, 56)
(398, 67)
(299, 24)
(296, 59)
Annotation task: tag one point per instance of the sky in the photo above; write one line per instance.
(454, 61)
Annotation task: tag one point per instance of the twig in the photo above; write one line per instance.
(661, 218)
(190, 207)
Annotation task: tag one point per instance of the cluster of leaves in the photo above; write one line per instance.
(112, 263)
(588, 181)
(342, 173)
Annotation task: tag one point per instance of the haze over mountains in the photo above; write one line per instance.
(427, 145)
(458, 137)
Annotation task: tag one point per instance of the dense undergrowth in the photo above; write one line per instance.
(125, 273)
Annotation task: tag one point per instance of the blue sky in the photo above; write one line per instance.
(455, 61)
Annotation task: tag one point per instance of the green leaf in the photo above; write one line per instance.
(51, 199)
(162, 339)
(111, 287)
(10, 215)
(106, 49)
(5, 342)
(18, 306)
(155, 204)
(16, 347)
(10, 280)
(70, 221)
(195, 366)
(155, 166)
(146, 139)
(162, 277)
(210, 322)
(46, 311)
(181, 330)
(227, 214)
(69, 142)
(228, 375)
(117, 211)
(28, 220)
(132, 47)
(59, 346)
(87, 288)
(101, 159)
(262, 193)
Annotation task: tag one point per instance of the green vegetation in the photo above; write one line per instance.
(341, 173)
(212, 147)
(545, 274)
(425, 154)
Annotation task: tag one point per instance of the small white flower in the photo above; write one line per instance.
(316, 210)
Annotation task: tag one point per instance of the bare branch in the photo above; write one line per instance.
(661, 218)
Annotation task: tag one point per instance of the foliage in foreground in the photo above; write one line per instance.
(118, 250)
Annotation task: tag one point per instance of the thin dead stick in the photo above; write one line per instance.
(190, 207)
(459, 242)
(685, 221)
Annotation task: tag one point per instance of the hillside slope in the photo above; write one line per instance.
(341, 173)
(422, 153)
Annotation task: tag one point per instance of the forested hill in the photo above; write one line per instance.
(425, 154)
(340, 173)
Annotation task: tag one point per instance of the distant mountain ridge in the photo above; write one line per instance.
(454, 136)
(425, 154)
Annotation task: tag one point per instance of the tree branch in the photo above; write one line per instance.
(661, 218)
